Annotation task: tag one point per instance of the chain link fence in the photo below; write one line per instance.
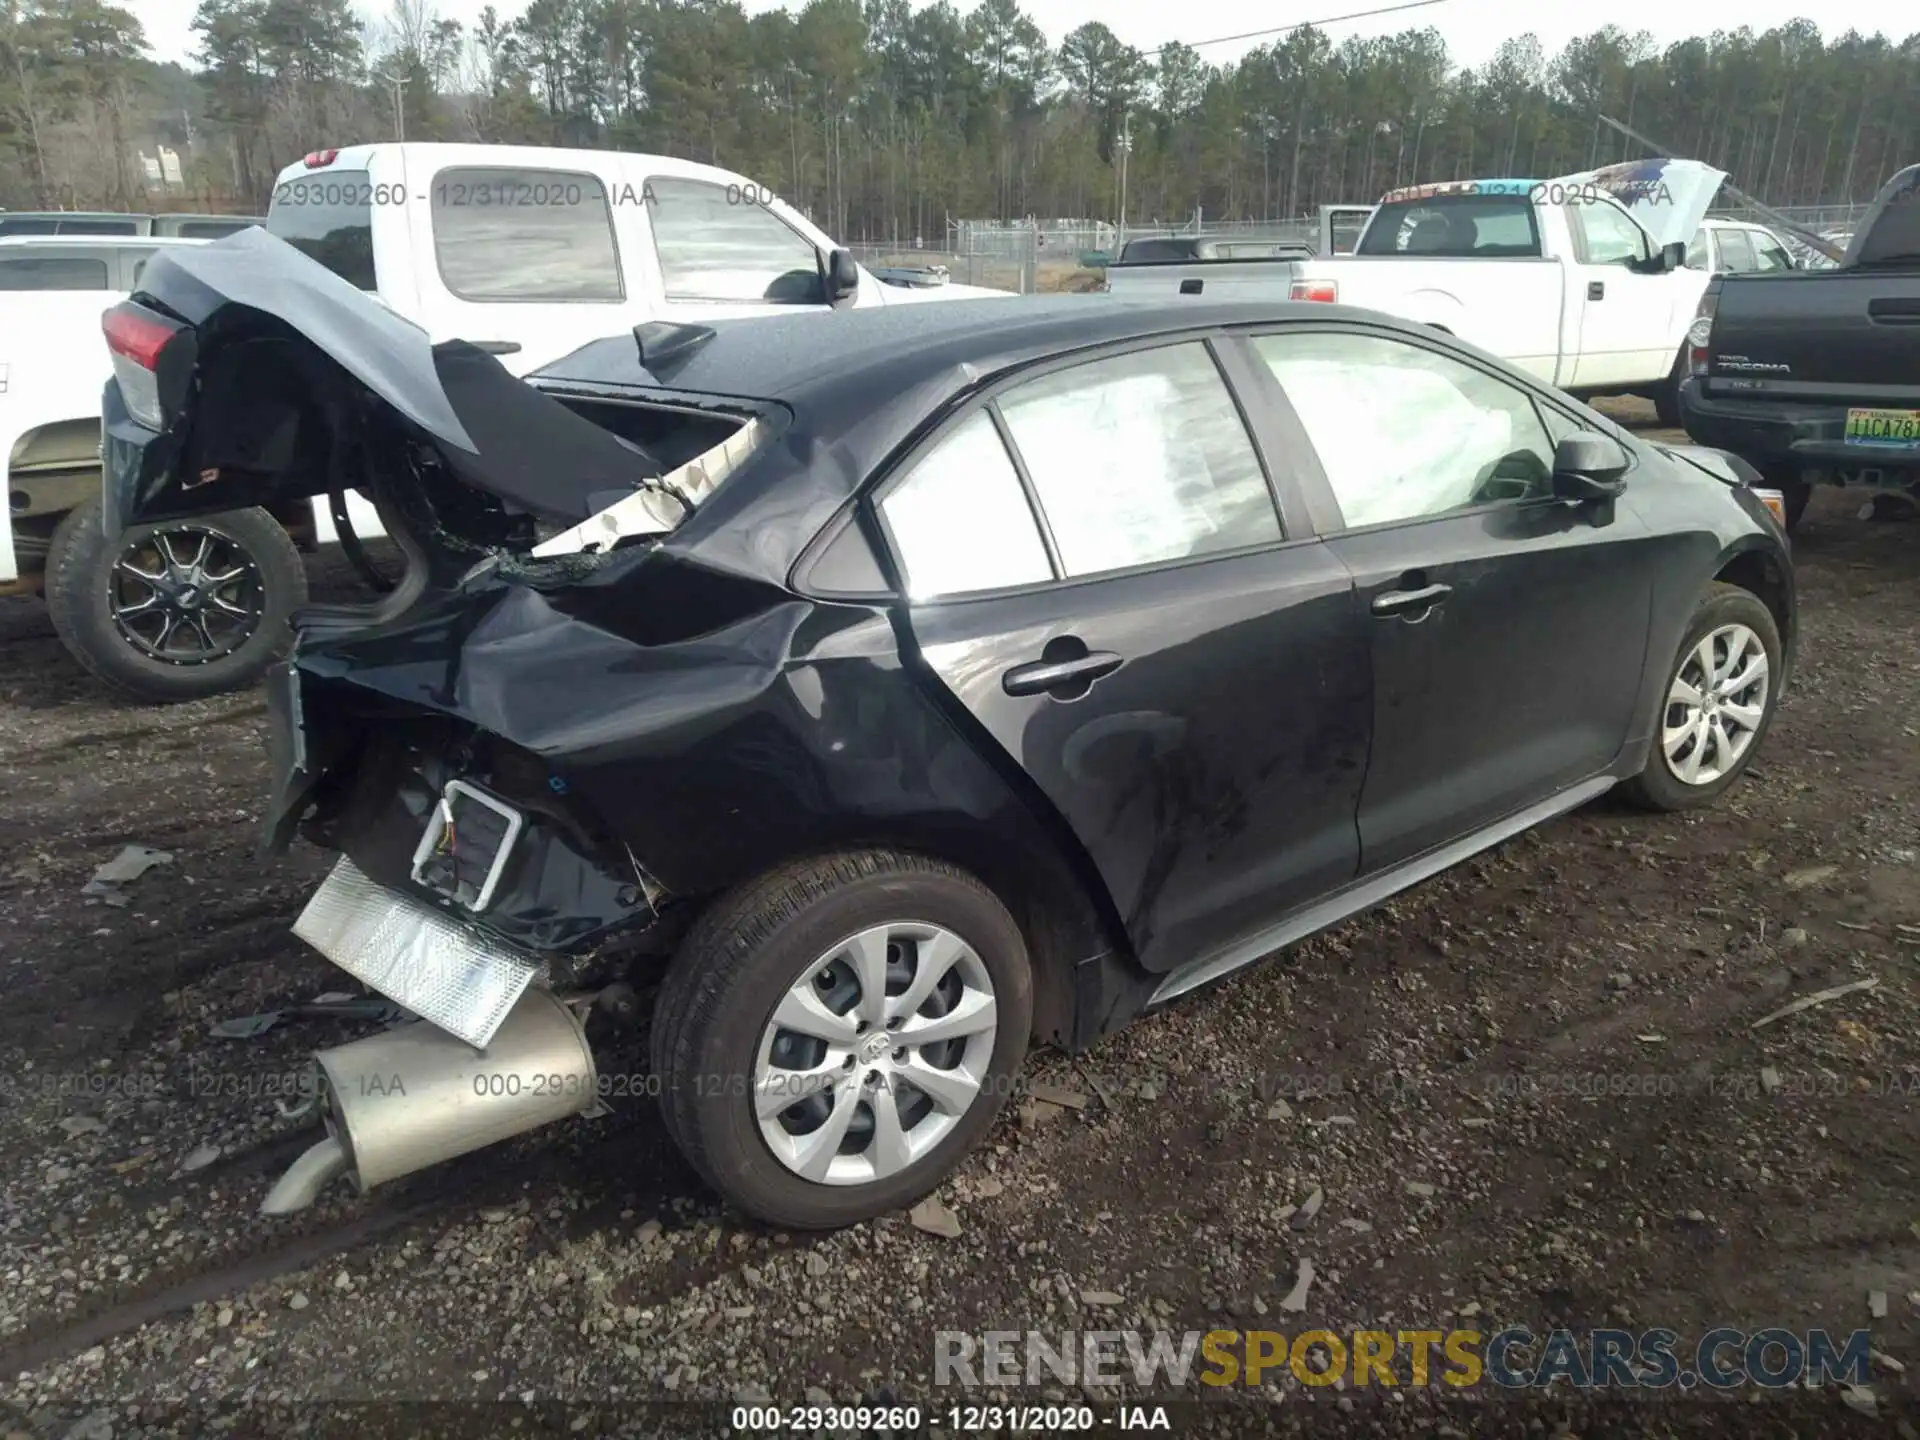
(1035, 256)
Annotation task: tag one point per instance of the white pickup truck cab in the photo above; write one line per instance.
(1581, 282)
(528, 252)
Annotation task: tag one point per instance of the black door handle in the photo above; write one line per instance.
(1410, 602)
(1045, 675)
(1596, 290)
(1192, 287)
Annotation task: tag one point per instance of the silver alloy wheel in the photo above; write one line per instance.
(186, 595)
(875, 1054)
(1715, 705)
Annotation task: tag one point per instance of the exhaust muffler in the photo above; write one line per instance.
(414, 1096)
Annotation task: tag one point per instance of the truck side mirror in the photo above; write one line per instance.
(1673, 255)
(841, 276)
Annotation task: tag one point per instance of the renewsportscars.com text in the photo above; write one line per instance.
(1514, 1358)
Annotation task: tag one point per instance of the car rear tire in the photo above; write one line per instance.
(1716, 704)
(178, 610)
(862, 951)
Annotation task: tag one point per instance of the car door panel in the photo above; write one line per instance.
(1507, 628)
(1624, 315)
(1184, 688)
(1212, 776)
(1518, 682)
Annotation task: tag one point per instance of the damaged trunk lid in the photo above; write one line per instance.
(247, 374)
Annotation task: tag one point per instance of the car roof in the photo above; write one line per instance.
(893, 350)
(24, 242)
(429, 154)
(860, 384)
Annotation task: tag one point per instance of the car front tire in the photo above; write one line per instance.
(1716, 704)
(174, 611)
(833, 1038)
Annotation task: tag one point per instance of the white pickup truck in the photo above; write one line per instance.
(1581, 281)
(527, 252)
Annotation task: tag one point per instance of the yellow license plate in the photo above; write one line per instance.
(1887, 429)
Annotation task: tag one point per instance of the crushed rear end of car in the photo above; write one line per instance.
(492, 747)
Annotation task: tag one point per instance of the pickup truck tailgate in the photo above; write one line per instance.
(1820, 334)
(1214, 279)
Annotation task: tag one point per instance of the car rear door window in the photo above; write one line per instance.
(1139, 459)
(1404, 432)
(960, 521)
(525, 234)
(52, 273)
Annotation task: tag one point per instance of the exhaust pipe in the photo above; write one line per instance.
(414, 1096)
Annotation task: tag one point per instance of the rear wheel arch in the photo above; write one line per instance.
(1062, 923)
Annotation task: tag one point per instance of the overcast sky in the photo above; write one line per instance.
(1473, 28)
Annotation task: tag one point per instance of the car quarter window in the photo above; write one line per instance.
(1609, 234)
(1139, 459)
(723, 242)
(524, 234)
(960, 520)
(1697, 251)
(1404, 432)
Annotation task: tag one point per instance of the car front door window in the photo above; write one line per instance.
(725, 243)
(1404, 432)
(1611, 236)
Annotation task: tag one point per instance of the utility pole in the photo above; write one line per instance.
(398, 86)
(1126, 144)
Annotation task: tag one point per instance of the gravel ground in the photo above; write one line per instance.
(1426, 1070)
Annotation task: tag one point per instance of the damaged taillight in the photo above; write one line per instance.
(137, 338)
(1700, 332)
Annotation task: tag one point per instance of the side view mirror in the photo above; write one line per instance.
(1668, 257)
(841, 276)
(1588, 467)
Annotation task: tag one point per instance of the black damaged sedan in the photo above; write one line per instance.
(885, 692)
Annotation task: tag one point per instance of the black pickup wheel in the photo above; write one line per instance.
(174, 611)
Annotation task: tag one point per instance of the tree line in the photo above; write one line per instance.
(884, 121)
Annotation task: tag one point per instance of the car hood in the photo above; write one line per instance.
(1717, 463)
(1668, 197)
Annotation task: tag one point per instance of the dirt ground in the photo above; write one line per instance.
(1531, 1091)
